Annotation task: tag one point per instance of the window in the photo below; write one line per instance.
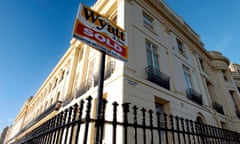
(233, 98)
(58, 96)
(187, 76)
(147, 20)
(109, 67)
(180, 47)
(223, 125)
(62, 76)
(211, 91)
(159, 108)
(160, 104)
(55, 84)
(51, 102)
(46, 105)
(199, 120)
(91, 69)
(224, 75)
(201, 63)
(49, 88)
(152, 55)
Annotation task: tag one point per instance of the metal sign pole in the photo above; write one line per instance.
(100, 99)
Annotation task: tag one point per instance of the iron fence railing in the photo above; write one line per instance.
(126, 124)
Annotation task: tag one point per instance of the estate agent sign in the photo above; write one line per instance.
(100, 33)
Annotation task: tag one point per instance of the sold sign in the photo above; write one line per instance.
(100, 33)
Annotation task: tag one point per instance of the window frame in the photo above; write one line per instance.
(224, 74)
(152, 54)
(201, 62)
(180, 46)
(91, 69)
(148, 20)
(187, 77)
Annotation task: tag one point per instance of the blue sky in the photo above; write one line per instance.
(34, 35)
(216, 21)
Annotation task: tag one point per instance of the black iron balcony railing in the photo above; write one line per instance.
(158, 77)
(218, 107)
(194, 96)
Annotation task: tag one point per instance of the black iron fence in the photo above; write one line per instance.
(125, 124)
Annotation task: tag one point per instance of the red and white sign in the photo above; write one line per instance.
(102, 34)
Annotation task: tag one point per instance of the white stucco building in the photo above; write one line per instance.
(168, 70)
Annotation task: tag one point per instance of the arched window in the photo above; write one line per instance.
(199, 120)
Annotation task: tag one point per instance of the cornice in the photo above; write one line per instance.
(217, 56)
(175, 24)
(101, 5)
(175, 21)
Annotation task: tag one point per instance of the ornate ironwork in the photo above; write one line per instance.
(194, 96)
(158, 77)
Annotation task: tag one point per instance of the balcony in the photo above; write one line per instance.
(218, 107)
(158, 77)
(194, 96)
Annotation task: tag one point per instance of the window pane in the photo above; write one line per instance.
(149, 58)
(180, 46)
(148, 46)
(152, 55)
(147, 20)
(159, 108)
(91, 68)
(156, 64)
(187, 77)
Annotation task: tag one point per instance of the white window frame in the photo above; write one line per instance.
(152, 55)
(91, 68)
(180, 46)
(147, 20)
(188, 77)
